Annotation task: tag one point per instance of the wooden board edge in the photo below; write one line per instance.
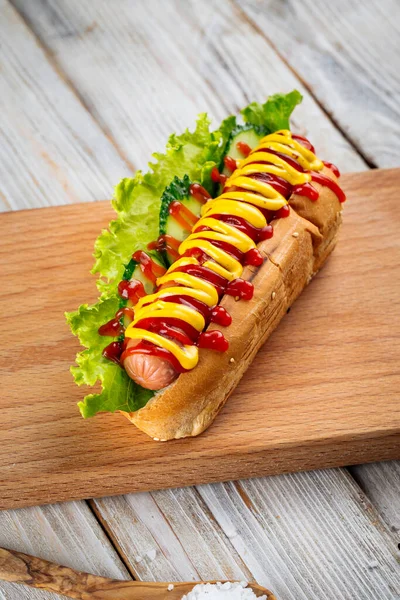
(241, 465)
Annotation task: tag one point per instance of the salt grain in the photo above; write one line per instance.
(295, 234)
(151, 554)
(231, 533)
(170, 587)
(222, 591)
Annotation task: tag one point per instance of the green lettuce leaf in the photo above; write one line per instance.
(137, 203)
(119, 391)
(274, 114)
(137, 200)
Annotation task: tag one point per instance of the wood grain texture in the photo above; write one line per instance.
(144, 70)
(51, 149)
(348, 54)
(381, 482)
(67, 533)
(169, 535)
(307, 535)
(17, 567)
(342, 338)
(112, 87)
(321, 538)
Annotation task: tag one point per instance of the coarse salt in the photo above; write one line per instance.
(222, 591)
(170, 587)
(151, 554)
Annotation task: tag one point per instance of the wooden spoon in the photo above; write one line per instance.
(35, 572)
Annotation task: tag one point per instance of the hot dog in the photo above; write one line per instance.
(292, 256)
(237, 261)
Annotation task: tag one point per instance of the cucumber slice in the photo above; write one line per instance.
(249, 134)
(178, 190)
(133, 271)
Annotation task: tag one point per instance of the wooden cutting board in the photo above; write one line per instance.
(323, 392)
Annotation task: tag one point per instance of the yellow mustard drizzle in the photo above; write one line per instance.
(159, 308)
(178, 291)
(282, 141)
(253, 195)
(237, 209)
(188, 356)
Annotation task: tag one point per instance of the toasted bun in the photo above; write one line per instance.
(299, 247)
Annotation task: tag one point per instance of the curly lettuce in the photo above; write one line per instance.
(137, 204)
(274, 114)
(137, 200)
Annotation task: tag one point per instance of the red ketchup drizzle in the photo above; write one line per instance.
(166, 243)
(182, 215)
(240, 288)
(306, 189)
(150, 269)
(218, 281)
(131, 289)
(198, 192)
(218, 177)
(253, 258)
(112, 328)
(230, 163)
(266, 233)
(241, 224)
(213, 340)
(197, 253)
(332, 185)
(304, 142)
(220, 316)
(278, 183)
(225, 246)
(291, 161)
(332, 167)
(282, 213)
(145, 347)
(243, 148)
(166, 330)
(155, 323)
(201, 307)
(113, 352)
(125, 313)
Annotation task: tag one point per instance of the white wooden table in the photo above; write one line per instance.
(87, 91)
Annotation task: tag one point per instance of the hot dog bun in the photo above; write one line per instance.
(299, 247)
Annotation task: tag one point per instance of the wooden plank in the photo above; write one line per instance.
(169, 536)
(145, 70)
(337, 48)
(51, 150)
(316, 540)
(381, 483)
(314, 413)
(65, 533)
